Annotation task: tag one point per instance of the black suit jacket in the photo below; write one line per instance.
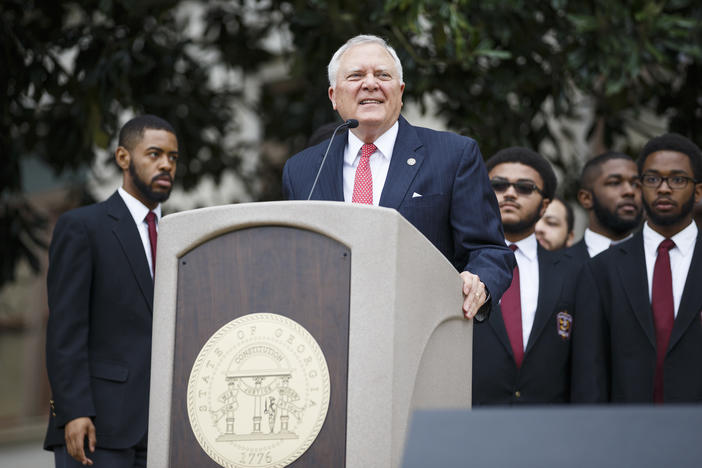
(544, 376)
(577, 253)
(457, 210)
(98, 347)
(614, 342)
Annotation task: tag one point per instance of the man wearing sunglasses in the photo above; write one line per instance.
(521, 353)
(638, 336)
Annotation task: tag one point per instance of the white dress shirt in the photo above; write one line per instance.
(680, 258)
(379, 161)
(597, 243)
(528, 263)
(139, 212)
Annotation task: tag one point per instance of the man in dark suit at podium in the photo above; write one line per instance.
(638, 331)
(436, 180)
(521, 354)
(100, 286)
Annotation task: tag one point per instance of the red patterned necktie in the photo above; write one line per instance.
(363, 182)
(511, 305)
(663, 311)
(153, 235)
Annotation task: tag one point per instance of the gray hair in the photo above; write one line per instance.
(333, 67)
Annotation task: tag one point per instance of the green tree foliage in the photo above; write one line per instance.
(507, 72)
(68, 72)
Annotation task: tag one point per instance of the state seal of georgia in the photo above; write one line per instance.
(258, 392)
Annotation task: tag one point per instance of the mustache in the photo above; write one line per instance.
(509, 202)
(666, 199)
(162, 175)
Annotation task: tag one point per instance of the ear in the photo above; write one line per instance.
(331, 97)
(698, 192)
(569, 239)
(122, 157)
(585, 198)
(544, 204)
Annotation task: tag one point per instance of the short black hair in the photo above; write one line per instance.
(324, 133)
(570, 216)
(133, 131)
(674, 142)
(592, 167)
(521, 155)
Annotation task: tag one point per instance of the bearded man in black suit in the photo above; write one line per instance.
(100, 284)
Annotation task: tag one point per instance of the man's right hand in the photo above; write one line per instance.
(76, 431)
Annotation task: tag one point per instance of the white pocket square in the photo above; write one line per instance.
(416, 195)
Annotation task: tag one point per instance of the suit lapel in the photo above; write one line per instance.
(581, 250)
(125, 230)
(497, 324)
(401, 173)
(691, 302)
(631, 266)
(331, 184)
(546, 302)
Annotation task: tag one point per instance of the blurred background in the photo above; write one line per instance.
(245, 85)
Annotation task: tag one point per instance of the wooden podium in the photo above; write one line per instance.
(381, 302)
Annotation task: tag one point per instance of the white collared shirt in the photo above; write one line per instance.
(597, 243)
(680, 258)
(528, 263)
(139, 212)
(379, 161)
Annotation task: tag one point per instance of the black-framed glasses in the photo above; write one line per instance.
(522, 187)
(675, 182)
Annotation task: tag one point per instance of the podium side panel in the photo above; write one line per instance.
(297, 273)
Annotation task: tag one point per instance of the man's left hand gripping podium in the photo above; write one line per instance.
(300, 333)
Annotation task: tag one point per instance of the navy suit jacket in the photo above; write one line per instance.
(457, 211)
(614, 338)
(98, 346)
(544, 376)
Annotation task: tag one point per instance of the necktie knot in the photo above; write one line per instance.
(367, 150)
(513, 247)
(150, 217)
(666, 245)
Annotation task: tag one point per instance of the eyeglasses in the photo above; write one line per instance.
(676, 182)
(521, 187)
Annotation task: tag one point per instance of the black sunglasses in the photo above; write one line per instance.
(521, 187)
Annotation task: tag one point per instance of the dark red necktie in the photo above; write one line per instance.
(153, 235)
(511, 305)
(663, 311)
(363, 182)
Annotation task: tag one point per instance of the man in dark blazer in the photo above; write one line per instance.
(437, 180)
(100, 291)
(638, 331)
(521, 354)
(610, 192)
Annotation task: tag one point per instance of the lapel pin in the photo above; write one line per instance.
(411, 161)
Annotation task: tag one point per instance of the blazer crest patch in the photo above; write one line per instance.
(564, 322)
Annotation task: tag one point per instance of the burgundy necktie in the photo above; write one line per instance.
(511, 305)
(153, 235)
(663, 311)
(363, 182)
